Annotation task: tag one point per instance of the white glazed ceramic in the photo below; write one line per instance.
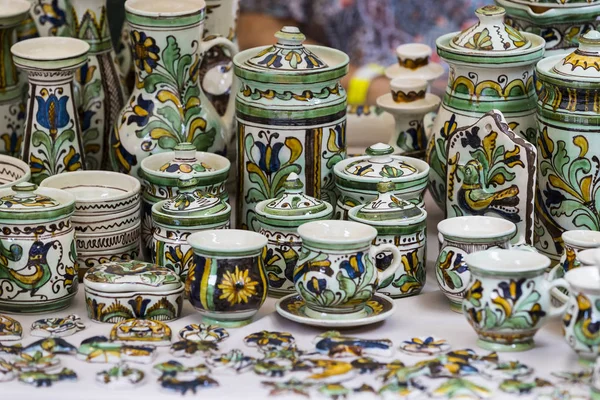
(414, 62)
(574, 243)
(13, 171)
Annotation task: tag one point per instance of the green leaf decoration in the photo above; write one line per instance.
(170, 55)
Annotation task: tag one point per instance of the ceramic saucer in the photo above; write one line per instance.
(379, 308)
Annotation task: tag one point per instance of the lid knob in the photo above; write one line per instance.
(408, 90)
(590, 42)
(293, 184)
(290, 36)
(381, 152)
(185, 151)
(491, 13)
(24, 188)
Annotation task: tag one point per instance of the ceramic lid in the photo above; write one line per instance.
(380, 164)
(191, 202)
(414, 62)
(408, 96)
(490, 34)
(184, 161)
(26, 197)
(293, 201)
(288, 54)
(131, 276)
(583, 62)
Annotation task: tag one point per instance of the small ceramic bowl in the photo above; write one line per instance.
(13, 171)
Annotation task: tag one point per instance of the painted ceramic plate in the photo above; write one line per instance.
(378, 309)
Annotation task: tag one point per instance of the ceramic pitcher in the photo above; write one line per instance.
(167, 105)
(102, 94)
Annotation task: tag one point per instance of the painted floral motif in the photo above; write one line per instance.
(412, 280)
(188, 348)
(279, 265)
(451, 270)
(581, 326)
(141, 331)
(268, 341)
(12, 137)
(203, 333)
(51, 15)
(426, 345)
(237, 286)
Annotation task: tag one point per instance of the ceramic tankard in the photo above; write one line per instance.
(336, 274)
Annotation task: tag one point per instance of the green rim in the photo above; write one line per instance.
(335, 247)
(165, 21)
(173, 221)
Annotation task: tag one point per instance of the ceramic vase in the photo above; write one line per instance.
(12, 107)
(51, 17)
(491, 67)
(167, 105)
(52, 142)
(102, 94)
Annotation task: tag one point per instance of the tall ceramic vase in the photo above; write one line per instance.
(51, 17)
(52, 143)
(102, 94)
(12, 116)
(167, 105)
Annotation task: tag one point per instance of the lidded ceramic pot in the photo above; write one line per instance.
(278, 220)
(491, 67)
(13, 171)
(568, 144)
(191, 210)
(414, 62)
(291, 115)
(38, 267)
(357, 177)
(117, 291)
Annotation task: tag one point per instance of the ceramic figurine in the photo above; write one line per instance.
(115, 292)
(141, 332)
(102, 93)
(57, 327)
(162, 172)
(175, 368)
(38, 273)
(7, 371)
(36, 362)
(12, 124)
(292, 386)
(425, 346)
(520, 387)
(335, 345)
(107, 215)
(508, 298)
(227, 283)
(491, 67)
(278, 220)
(272, 369)
(203, 333)
(51, 17)
(414, 63)
(10, 329)
(188, 348)
(182, 386)
(330, 371)
(583, 377)
(268, 341)
(506, 370)
(402, 224)
(173, 220)
(167, 105)
(408, 102)
(356, 178)
(291, 117)
(50, 346)
(13, 171)
(120, 376)
(461, 388)
(491, 171)
(567, 150)
(462, 236)
(98, 349)
(234, 361)
(40, 379)
(10, 352)
(52, 141)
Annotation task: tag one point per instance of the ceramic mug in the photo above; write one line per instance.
(336, 273)
(508, 298)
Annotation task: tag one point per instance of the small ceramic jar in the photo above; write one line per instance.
(356, 178)
(414, 63)
(402, 224)
(279, 220)
(38, 267)
(575, 242)
(173, 220)
(117, 291)
(13, 171)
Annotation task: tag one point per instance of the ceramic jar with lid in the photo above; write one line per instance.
(117, 291)
(279, 220)
(356, 178)
(491, 67)
(291, 115)
(403, 224)
(173, 220)
(38, 267)
(568, 144)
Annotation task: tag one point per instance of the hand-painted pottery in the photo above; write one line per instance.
(167, 105)
(173, 220)
(99, 349)
(106, 218)
(401, 224)
(175, 368)
(362, 118)
(356, 178)
(57, 327)
(233, 361)
(583, 312)
(120, 376)
(37, 362)
(45, 379)
(414, 63)
(334, 344)
(508, 298)
(560, 24)
(575, 242)
(330, 371)
(13, 171)
(424, 346)
(52, 141)
(491, 67)
(506, 370)
(38, 272)
(10, 329)
(491, 171)
(116, 291)
(161, 173)
(51, 17)
(568, 147)
(292, 386)
(268, 341)
(141, 332)
(278, 220)
(462, 236)
(188, 348)
(50, 346)
(203, 333)
(336, 273)
(7, 371)
(291, 115)
(187, 384)
(227, 282)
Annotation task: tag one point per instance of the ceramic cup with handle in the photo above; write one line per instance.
(508, 297)
(336, 273)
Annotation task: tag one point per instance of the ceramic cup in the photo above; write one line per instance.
(336, 273)
(227, 284)
(508, 298)
(575, 242)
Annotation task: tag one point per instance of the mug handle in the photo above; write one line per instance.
(383, 275)
(552, 286)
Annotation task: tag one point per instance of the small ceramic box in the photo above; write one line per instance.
(134, 289)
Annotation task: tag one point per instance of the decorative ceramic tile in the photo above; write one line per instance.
(188, 348)
(575, 378)
(39, 379)
(367, 365)
(10, 352)
(57, 327)
(506, 370)
(273, 369)
(330, 371)
(141, 332)
(203, 333)
(36, 363)
(98, 349)
(175, 384)
(461, 388)
(10, 329)
(267, 341)
(7, 371)
(293, 386)
(120, 377)
(50, 346)
(234, 361)
(334, 391)
(517, 386)
(335, 345)
(424, 346)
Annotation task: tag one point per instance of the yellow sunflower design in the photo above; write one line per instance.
(237, 287)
